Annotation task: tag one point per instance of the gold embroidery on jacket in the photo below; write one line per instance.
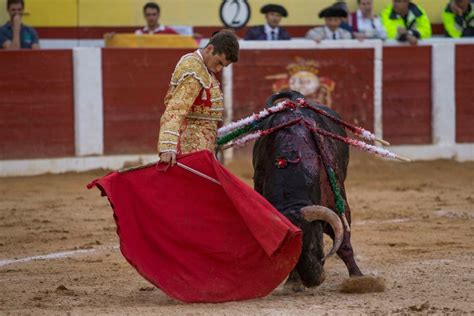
(186, 128)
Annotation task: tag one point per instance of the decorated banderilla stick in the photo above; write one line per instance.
(257, 134)
(358, 144)
(349, 141)
(242, 123)
(353, 128)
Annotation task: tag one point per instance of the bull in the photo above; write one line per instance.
(290, 174)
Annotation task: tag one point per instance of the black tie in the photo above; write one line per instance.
(333, 35)
(273, 35)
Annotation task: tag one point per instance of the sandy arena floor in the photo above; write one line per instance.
(413, 225)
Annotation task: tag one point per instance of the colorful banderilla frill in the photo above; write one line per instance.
(248, 129)
(236, 132)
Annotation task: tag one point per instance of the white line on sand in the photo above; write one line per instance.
(54, 255)
(388, 221)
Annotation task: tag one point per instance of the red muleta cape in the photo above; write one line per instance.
(196, 240)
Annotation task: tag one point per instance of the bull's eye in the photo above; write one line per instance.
(281, 163)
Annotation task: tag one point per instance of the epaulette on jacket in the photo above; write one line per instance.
(191, 65)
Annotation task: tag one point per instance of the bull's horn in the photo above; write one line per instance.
(321, 213)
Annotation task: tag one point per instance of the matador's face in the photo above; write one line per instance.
(214, 62)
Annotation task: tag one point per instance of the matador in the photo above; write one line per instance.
(194, 101)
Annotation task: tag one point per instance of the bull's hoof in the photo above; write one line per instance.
(364, 284)
(355, 272)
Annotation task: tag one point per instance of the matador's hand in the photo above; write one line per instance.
(168, 158)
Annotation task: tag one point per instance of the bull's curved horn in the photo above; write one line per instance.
(292, 95)
(321, 213)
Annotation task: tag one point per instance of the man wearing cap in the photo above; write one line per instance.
(270, 31)
(333, 16)
(345, 23)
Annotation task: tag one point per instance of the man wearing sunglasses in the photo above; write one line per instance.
(151, 12)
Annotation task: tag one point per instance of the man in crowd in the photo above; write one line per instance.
(151, 12)
(405, 21)
(14, 34)
(458, 19)
(194, 101)
(341, 4)
(332, 30)
(270, 31)
(366, 25)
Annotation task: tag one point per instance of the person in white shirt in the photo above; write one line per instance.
(331, 31)
(365, 24)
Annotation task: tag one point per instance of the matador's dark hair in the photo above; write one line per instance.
(226, 42)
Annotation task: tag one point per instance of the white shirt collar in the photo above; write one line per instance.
(268, 30)
(199, 54)
(328, 31)
(159, 28)
(360, 16)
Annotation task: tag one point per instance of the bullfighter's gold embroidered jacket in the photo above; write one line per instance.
(194, 106)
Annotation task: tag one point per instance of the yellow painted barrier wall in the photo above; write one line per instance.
(151, 41)
(72, 13)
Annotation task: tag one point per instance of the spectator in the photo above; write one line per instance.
(458, 19)
(151, 12)
(364, 23)
(332, 30)
(14, 34)
(271, 30)
(406, 21)
(343, 5)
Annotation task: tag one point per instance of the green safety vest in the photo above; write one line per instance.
(417, 21)
(459, 26)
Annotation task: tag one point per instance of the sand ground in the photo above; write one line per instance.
(413, 226)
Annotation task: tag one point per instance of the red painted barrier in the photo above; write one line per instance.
(464, 94)
(37, 95)
(36, 104)
(340, 78)
(135, 82)
(407, 95)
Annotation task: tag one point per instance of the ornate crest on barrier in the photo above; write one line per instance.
(303, 76)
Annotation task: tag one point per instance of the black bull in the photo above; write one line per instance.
(300, 183)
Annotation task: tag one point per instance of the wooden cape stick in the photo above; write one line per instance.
(198, 173)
